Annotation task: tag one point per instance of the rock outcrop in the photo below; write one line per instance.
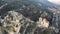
(43, 22)
(11, 23)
